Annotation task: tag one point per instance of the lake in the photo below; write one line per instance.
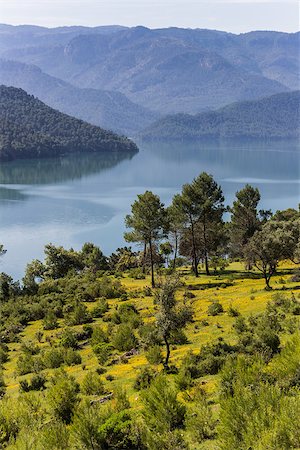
(80, 198)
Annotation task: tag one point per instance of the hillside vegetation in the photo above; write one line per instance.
(277, 116)
(29, 128)
(191, 343)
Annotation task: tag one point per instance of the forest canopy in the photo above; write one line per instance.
(31, 129)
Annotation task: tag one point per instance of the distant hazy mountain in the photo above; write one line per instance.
(107, 109)
(25, 36)
(167, 70)
(277, 116)
(29, 128)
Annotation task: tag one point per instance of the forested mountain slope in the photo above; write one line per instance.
(276, 116)
(29, 128)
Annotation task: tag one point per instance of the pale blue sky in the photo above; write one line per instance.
(236, 15)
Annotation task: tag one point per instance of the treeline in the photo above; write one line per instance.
(271, 117)
(29, 128)
(193, 226)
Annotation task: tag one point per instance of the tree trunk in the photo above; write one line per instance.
(205, 248)
(166, 363)
(152, 265)
(267, 280)
(175, 251)
(206, 265)
(144, 258)
(194, 251)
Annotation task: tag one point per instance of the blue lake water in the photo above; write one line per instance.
(79, 198)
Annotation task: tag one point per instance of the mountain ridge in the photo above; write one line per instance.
(169, 70)
(107, 109)
(275, 117)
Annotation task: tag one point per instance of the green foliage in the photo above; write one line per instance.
(116, 431)
(50, 321)
(144, 378)
(103, 352)
(162, 411)
(232, 312)
(29, 128)
(200, 424)
(92, 384)
(171, 317)
(214, 309)
(149, 223)
(274, 242)
(201, 207)
(68, 339)
(2, 385)
(124, 339)
(62, 396)
(260, 416)
(100, 308)
(80, 315)
(154, 355)
(37, 383)
(285, 367)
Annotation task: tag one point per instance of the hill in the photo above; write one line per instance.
(169, 70)
(46, 345)
(108, 109)
(276, 116)
(29, 128)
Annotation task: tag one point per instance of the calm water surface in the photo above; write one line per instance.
(74, 199)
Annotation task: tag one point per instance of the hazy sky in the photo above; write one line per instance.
(235, 15)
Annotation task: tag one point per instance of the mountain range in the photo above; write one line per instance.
(108, 109)
(126, 78)
(277, 116)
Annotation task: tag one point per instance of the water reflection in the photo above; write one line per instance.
(56, 170)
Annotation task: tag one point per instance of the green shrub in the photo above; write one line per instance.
(161, 409)
(144, 378)
(53, 358)
(116, 432)
(80, 315)
(37, 383)
(178, 337)
(232, 312)
(25, 364)
(103, 352)
(214, 309)
(200, 424)
(50, 321)
(98, 336)
(71, 357)
(68, 339)
(2, 386)
(62, 396)
(137, 274)
(3, 356)
(154, 355)
(100, 308)
(124, 339)
(92, 384)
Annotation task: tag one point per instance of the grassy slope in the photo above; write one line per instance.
(246, 293)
